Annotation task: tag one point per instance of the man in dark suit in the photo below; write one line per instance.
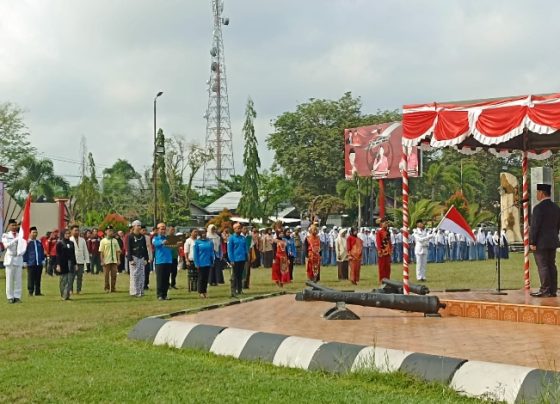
(543, 240)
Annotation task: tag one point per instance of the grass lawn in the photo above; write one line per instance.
(77, 351)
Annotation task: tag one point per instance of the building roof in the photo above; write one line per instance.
(229, 201)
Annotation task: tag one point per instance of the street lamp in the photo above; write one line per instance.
(155, 158)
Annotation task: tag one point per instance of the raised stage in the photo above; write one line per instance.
(517, 306)
(469, 329)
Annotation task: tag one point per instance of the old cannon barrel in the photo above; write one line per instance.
(421, 304)
(398, 287)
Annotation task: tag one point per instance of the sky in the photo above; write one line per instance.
(83, 68)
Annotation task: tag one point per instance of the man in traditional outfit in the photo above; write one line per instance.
(312, 248)
(384, 249)
(355, 246)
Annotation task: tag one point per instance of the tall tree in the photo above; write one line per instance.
(120, 189)
(249, 205)
(308, 143)
(14, 141)
(37, 177)
(275, 190)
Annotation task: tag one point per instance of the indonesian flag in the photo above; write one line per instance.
(456, 223)
(23, 235)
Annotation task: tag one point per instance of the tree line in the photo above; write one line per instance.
(307, 172)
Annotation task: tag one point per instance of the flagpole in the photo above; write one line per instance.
(444, 216)
(406, 288)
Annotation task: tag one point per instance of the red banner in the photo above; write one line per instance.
(376, 151)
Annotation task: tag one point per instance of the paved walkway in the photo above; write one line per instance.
(533, 345)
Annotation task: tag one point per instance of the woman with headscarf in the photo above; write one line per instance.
(312, 249)
(342, 255)
(216, 271)
(280, 264)
(204, 258)
(291, 250)
(355, 246)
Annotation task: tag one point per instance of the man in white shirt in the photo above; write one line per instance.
(13, 262)
(82, 257)
(422, 240)
(480, 244)
(452, 241)
(362, 236)
(192, 273)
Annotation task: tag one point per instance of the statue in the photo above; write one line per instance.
(509, 205)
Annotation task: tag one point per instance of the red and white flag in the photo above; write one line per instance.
(456, 223)
(23, 235)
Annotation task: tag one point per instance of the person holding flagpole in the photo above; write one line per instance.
(422, 239)
(13, 261)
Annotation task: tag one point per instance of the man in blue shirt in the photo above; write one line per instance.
(237, 255)
(163, 261)
(34, 257)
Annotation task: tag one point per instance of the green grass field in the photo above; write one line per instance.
(77, 351)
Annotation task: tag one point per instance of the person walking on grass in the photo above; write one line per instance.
(203, 257)
(82, 257)
(34, 257)
(110, 253)
(13, 263)
(341, 249)
(163, 261)
(137, 256)
(65, 264)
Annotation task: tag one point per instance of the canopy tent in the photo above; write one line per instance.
(529, 124)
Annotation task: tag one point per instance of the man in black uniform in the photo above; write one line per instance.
(543, 240)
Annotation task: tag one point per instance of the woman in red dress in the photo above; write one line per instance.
(384, 250)
(312, 248)
(355, 247)
(280, 263)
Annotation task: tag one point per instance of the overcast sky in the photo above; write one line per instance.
(92, 67)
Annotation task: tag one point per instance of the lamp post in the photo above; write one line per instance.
(155, 159)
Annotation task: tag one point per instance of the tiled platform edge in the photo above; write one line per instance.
(513, 384)
(520, 313)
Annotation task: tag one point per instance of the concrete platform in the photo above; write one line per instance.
(523, 344)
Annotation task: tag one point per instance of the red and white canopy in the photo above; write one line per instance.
(494, 123)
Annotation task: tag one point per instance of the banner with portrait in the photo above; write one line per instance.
(376, 151)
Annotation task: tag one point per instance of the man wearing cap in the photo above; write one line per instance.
(543, 240)
(110, 253)
(13, 263)
(137, 256)
(33, 258)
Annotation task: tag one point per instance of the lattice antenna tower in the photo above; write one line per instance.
(218, 124)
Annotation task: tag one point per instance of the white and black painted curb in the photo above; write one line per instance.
(513, 384)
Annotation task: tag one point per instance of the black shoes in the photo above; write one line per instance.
(543, 294)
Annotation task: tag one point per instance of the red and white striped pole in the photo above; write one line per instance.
(406, 288)
(525, 167)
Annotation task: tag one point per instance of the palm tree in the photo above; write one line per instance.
(434, 179)
(424, 209)
(37, 177)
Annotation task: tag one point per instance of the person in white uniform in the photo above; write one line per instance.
(422, 240)
(13, 261)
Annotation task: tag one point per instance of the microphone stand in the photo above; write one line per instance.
(498, 255)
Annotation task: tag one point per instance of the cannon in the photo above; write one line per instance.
(390, 286)
(429, 305)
